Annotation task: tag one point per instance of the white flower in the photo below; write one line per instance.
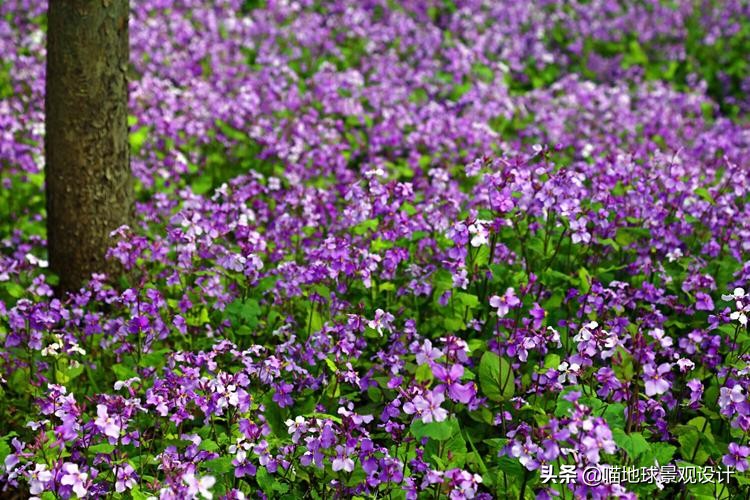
(37, 478)
(569, 372)
(740, 315)
(126, 383)
(479, 232)
(737, 294)
(201, 485)
(673, 255)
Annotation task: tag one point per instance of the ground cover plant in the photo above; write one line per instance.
(417, 249)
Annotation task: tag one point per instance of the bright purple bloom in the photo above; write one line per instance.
(737, 457)
(703, 302)
(126, 478)
(696, 391)
(456, 391)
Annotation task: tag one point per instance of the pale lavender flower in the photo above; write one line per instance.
(74, 478)
(504, 303)
(656, 383)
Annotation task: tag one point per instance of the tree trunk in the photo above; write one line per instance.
(88, 179)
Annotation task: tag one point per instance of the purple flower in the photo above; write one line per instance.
(568, 371)
(106, 423)
(654, 378)
(126, 478)
(538, 313)
(526, 453)
(296, 427)
(696, 391)
(504, 303)
(282, 395)
(199, 485)
(456, 391)
(342, 461)
(733, 401)
(600, 439)
(703, 302)
(737, 457)
(38, 478)
(580, 234)
(74, 478)
(427, 353)
(427, 407)
(381, 322)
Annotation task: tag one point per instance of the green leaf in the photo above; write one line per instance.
(552, 361)
(19, 380)
(67, 374)
(102, 448)
(483, 256)
(435, 430)
(696, 440)
(221, 465)
(269, 482)
(138, 138)
(137, 494)
(244, 312)
(423, 373)
(209, 445)
(202, 184)
(469, 300)
(661, 453)
(496, 377)
(365, 226)
(154, 359)
(705, 195)
(709, 491)
(629, 235)
(331, 365)
(4, 448)
(585, 278)
(123, 372)
(634, 444)
(452, 450)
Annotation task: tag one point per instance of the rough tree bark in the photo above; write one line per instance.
(88, 179)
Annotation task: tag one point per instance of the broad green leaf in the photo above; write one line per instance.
(496, 377)
(101, 448)
(221, 465)
(435, 430)
(634, 443)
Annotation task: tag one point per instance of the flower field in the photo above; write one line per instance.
(384, 249)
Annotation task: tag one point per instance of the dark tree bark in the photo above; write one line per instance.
(88, 179)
